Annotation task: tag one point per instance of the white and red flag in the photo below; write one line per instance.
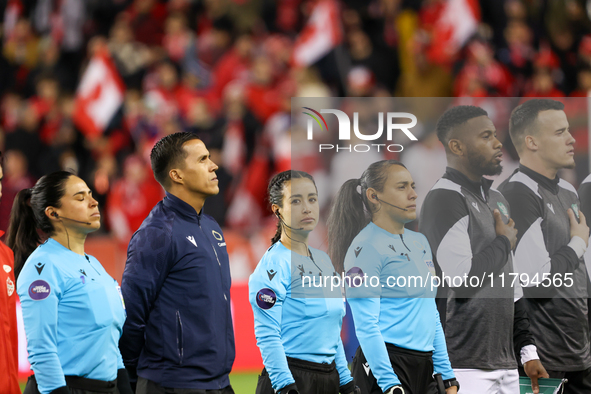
(322, 33)
(99, 96)
(457, 21)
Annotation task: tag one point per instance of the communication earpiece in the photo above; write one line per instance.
(387, 203)
(55, 215)
(277, 214)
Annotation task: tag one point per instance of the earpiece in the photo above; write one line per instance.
(277, 214)
(374, 196)
(54, 214)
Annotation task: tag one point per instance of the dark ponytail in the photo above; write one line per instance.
(275, 193)
(28, 216)
(352, 211)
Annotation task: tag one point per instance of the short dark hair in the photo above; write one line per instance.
(167, 153)
(455, 117)
(524, 115)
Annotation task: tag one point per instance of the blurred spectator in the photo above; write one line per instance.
(16, 178)
(131, 57)
(146, 18)
(131, 199)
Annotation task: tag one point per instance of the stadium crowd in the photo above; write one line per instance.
(226, 70)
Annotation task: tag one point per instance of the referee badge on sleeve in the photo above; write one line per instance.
(39, 290)
(266, 298)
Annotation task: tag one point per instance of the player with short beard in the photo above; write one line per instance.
(470, 230)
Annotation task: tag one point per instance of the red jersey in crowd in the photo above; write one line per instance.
(8, 329)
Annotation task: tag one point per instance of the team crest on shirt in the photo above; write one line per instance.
(217, 235)
(575, 208)
(9, 286)
(266, 298)
(7, 268)
(503, 209)
(39, 290)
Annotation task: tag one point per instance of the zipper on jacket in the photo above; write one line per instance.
(221, 278)
(179, 336)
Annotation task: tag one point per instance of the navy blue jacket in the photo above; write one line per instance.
(176, 287)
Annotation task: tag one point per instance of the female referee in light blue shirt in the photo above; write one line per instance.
(297, 326)
(396, 321)
(72, 310)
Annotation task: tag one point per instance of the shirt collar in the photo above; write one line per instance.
(173, 202)
(461, 179)
(547, 183)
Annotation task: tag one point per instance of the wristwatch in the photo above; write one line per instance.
(395, 390)
(451, 382)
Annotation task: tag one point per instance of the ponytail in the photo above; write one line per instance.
(352, 211)
(22, 236)
(347, 218)
(28, 219)
(277, 235)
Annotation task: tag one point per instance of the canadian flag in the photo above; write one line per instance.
(321, 34)
(457, 22)
(99, 95)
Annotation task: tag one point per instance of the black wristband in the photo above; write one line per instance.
(289, 389)
(347, 388)
(395, 390)
(123, 384)
(451, 382)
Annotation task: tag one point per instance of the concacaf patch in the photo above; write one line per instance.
(39, 290)
(355, 277)
(266, 298)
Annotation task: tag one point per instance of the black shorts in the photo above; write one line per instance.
(413, 368)
(310, 378)
(77, 385)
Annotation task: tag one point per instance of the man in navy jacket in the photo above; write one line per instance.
(176, 284)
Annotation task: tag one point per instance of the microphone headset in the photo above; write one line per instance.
(285, 224)
(387, 203)
(278, 214)
(54, 214)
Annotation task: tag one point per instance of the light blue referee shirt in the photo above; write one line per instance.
(390, 310)
(73, 314)
(291, 317)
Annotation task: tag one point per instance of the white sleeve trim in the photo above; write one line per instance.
(454, 254)
(528, 353)
(531, 256)
(578, 245)
(588, 262)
